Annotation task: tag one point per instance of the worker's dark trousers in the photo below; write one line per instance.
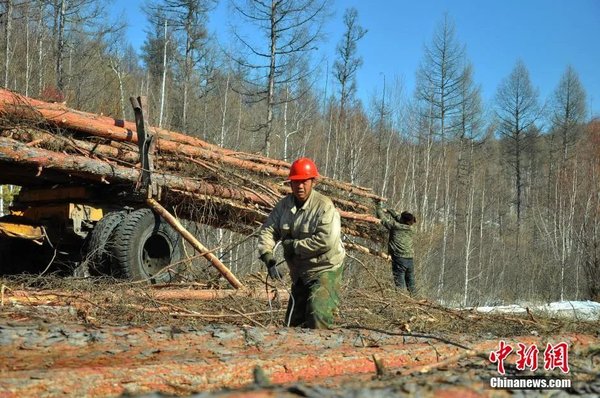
(403, 270)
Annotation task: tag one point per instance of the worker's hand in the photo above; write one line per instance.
(274, 272)
(379, 210)
(268, 259)
(288, 248)
(271, 264)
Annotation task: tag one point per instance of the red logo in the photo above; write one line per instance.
(555, 356)
(500, 355)
(528, 357)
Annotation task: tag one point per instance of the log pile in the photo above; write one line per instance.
(44, 143)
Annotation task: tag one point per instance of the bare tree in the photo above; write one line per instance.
(8, 16)
(72, 21)
(517, 110)
(469, 131)
(40, 37)
(568, 109)
(568, 112)
(288, 28)
(589, 210)
(158, 55)
(439, 85)
(344, 71)
(188, 19)
(348, 61)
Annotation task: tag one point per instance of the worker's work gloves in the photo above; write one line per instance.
(379, 209)
(382, 210)
(271, 265)
(393, 213)
(288, 248)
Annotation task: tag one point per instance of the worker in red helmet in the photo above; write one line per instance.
(308, 226)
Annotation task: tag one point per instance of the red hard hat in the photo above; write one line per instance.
(303, 169)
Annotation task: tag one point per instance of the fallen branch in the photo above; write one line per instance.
(448, 361)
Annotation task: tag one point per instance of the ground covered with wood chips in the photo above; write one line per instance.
(100, 337)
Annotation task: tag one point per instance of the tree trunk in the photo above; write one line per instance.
(40, 42)
(224, 112)
(468, 240)
(117, 69)
(27, 51)
(164, 80)
(7, 38)
(60, 46)
(214, 261)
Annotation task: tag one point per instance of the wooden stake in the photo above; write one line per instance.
(215, 262)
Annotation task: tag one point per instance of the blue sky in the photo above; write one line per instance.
(547, 35)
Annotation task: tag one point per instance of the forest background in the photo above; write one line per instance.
(506, 191)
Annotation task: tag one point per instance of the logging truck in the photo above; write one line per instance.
(69, 226)
(82, 226)
(96, 193)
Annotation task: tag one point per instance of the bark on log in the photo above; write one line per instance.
(366, 250)
(116, 151)
(132, 157)
(50, 297)
(214, 294)
(15, 152)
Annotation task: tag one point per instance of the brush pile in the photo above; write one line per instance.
(47, 144)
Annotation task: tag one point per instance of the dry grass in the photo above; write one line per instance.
(105, 301)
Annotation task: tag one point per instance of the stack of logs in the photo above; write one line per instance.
(45, 143)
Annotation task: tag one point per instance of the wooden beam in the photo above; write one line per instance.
(215, 262)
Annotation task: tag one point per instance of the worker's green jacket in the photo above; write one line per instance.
(400, 242)
(316, 230)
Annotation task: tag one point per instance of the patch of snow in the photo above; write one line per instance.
(579, 310)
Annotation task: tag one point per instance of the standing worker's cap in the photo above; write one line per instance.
(303, 169)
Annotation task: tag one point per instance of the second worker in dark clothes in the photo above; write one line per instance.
(400, 246)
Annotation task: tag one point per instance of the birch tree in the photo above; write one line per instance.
(188, 19)
(8, 16)
(469, 131)
(158, 53)
(568, 113)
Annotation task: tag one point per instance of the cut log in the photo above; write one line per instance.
(48, 143)
(17, 153)
(12, 104)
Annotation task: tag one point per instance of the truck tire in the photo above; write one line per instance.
(142, 245)
(98, 255)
